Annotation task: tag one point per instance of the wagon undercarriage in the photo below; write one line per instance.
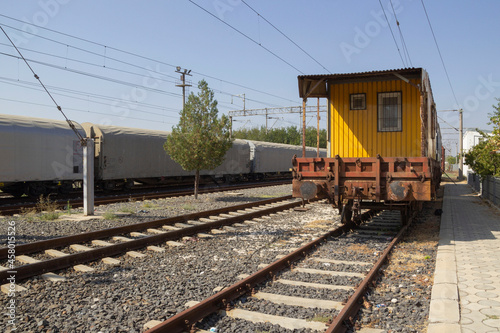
(352, 184)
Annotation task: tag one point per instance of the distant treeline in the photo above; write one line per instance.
(289, 135)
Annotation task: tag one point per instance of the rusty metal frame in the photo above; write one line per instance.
(398, 179)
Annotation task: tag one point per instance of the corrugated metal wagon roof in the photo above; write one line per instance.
(316, 85)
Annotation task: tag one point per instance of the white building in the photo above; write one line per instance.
(470, 139)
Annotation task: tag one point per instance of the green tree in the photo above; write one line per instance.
(494, 140)
(483, 158)
(451, 159)
(201, 139)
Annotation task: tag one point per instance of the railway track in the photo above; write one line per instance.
(303, 271)
(12, 208)
(73, 251)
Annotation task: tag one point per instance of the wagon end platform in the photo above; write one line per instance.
(392, 180)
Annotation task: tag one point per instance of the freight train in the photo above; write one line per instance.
(384, 143)
(41, 156)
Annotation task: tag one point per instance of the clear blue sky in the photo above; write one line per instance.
(139, 86)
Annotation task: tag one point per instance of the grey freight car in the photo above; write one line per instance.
(271, 158)
(38, 155)
(124, 155)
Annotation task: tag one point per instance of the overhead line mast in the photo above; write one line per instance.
(86, 143)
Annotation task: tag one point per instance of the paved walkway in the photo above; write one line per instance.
(466, 291)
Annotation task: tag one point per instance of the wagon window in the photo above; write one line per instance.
(358, 101)
(389, 112)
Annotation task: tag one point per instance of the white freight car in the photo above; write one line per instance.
(38, 155)
(124, 155)
(270, 158)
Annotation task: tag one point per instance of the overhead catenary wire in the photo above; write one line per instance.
(403, 42)
(98, 76)
(138, 56)
(247, 37)
(456, 129)
(392, 33)
(284, 35)
(24, 85)
(70, 123)
(439, 51)
(84, 111)
(95, 65)
(123, 71)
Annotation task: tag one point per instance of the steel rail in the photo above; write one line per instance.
(58, 242)
(185, 320)
(29, 270)
(353, 304)
(76, 203)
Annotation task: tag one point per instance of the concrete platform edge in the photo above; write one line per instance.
(444, 312)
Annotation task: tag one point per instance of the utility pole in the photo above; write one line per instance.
(266, 121)
(317, 142)
(304, 101)
(88, 176)
(460, 141)
(461, 163)
(183, 84)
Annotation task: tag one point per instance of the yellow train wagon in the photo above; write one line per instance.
(383, 139)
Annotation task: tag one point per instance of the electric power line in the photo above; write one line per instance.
(70, 123)
(246, 36)
(93, 101)
(133, 65)
(392, 33)
(439, 51)
(405, 49)
(137, 55)
(84, 111)
(272, 25)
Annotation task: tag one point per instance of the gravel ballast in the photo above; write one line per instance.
(123, 298)
(156, 287)
(32, 228)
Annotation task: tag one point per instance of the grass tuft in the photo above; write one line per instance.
(110, 216)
